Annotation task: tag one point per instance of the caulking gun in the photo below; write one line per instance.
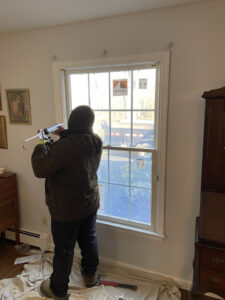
(43, 133)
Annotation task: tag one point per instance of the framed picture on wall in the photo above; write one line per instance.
(0, 101)
(18, 102)
(3, 136)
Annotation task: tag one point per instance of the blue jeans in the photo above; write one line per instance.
(65, 235)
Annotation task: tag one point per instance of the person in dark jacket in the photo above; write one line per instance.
(71, 188)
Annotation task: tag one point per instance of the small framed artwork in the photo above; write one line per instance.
(18, 102)
(0, 101)
(3, 136)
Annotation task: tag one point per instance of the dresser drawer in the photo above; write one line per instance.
(212, 258)
(211, 280)
(9, 195)
(8, 189)
(7, 212)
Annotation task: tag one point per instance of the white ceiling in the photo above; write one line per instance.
(20, 15)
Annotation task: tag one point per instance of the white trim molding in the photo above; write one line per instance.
(162, 60)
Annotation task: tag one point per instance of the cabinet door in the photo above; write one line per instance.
(213, 168)
(212, 217)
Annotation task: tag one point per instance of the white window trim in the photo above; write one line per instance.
(61, 116)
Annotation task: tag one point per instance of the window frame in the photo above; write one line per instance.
(153, 151)
(60, 69)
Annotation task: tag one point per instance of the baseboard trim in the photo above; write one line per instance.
(186, 285)
(183, 284)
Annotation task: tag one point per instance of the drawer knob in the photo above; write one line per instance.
(215, 280)
(218, 260)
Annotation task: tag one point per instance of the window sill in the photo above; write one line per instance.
(130, 230)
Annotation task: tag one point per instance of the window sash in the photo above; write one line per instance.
(108, 70)
(152, 188)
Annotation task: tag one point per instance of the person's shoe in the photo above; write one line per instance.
(90, 279)
(46, 291)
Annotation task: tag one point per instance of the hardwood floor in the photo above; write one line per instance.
(8, 254)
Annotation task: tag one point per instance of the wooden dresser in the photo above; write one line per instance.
(9, 203)
(209, 260)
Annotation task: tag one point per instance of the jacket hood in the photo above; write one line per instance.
(82, 117)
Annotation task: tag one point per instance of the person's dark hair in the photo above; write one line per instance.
(82, 117)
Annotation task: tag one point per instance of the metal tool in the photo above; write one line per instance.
(117, 284)
(43, 133)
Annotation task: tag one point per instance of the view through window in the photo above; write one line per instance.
(125, 102)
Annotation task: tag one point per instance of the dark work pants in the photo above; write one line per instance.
(65, 235)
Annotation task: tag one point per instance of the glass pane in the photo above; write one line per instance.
(103, 168)
(141, 205)
(99, 90)
(120, 90)
(121, 128)
(79, 89)
(144, 82)
(119, 167)
(119, 201)
(104, 199)
(101, 125)
(141, 169)
(143, 129)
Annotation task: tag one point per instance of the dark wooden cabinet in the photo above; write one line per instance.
(209, 260)
(9, 203)
(212, 217)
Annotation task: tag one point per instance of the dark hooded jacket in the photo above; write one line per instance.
(70, 168)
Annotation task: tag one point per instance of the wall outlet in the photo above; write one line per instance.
(45, 221)
(44, 241)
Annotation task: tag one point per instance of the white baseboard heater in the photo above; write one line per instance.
(36, 239)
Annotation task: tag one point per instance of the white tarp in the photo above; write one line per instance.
(26, 285)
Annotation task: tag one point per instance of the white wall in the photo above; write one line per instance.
(197, 64)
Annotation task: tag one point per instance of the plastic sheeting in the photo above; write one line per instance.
(150, 287)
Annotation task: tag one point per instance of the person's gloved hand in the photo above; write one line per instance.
(47, 143)
(43, 142)
(59, 130)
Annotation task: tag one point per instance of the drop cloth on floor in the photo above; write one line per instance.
(150, 287)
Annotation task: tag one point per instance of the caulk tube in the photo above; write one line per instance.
(52, 128)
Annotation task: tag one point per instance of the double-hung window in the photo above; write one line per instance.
(129, 101)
